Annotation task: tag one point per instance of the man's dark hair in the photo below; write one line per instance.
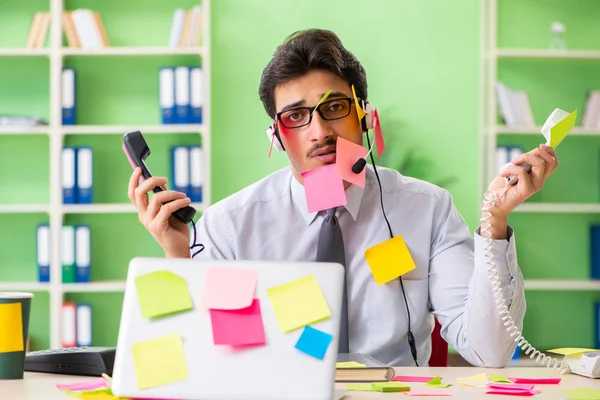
(307, 50)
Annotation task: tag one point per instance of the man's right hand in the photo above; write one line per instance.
(155, 214)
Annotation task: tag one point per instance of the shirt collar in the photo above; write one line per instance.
(354, 195)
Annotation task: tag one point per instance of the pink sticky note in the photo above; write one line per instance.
(379, 142)
(346, 154)
(97, 383)
(510, 386)
(536, 381)
(238, 327)
(323, 188)
(507, 392)
(228, 288)
(405, 378)
(428, 392)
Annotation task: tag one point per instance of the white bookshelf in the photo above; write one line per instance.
(562, 284)
(56, 134)
(556, 54)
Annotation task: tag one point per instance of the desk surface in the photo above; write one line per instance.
(36, 386)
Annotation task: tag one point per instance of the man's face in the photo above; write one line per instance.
(313, 145)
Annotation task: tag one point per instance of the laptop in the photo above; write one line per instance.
(169, 354)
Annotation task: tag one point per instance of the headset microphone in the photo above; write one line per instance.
(359, 165)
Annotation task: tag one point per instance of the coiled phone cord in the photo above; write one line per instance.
(489, 201)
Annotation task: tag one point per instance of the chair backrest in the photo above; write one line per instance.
(439, 348)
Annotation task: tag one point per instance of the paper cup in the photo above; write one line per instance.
(15, 308)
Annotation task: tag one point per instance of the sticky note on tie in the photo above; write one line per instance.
(314, 342)
(228, 288)
(389, 260)
(162, 293)
(11, 321)
(159, 361)
(298, 303)
(379, 142)
(558, 125)
(359, 111)
(238, 327)
(346, 154)
(323, 188)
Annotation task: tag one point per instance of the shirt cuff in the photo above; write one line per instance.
(503, 250)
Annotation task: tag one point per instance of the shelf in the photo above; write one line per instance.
(543, 53)
(24, 130)
(133, 51)
(549, 284)
(123, 208)
(24, 286)
(97, 287)
(528, 130)
(20, 52)
(24, 208)
(123, 129)
(586, 208)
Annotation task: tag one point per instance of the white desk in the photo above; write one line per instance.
(37, 386)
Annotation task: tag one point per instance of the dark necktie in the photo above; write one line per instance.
(331, 249)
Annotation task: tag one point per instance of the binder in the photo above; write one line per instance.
(43, 252)
(182, 95)
(68, 253)
(68, 96)
(82, 253)
(514, 152)
(196, 91)
(68, 331)
(595, 252)
(84, 325)
(166, 88)
(597, 325)
(84, 170)
(180, 169)
(196, 173)
(69, 177)
(501, 158)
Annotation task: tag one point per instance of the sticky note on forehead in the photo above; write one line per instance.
(359, 109)
(389, 260)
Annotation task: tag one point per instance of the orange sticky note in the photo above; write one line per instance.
(359, 109)
(11, 327)
(379, 143)
(347, 153)
(323, 188)
(389, 260)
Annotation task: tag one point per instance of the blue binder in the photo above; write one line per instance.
(595, 251)
(196, 173)
(84, 325)
(68, 96)
(84, 170)
(182, 95)
(180, 169)
(82, 253)
(43, 252)
(597, 325)
(166, 88)
(69, 174)
(196, 91)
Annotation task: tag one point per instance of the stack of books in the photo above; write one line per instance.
(83, 28)
(186, 30)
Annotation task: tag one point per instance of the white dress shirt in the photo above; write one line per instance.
(269, 220)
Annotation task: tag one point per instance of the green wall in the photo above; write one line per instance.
(422, 61)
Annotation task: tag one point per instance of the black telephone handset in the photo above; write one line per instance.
(137, 150)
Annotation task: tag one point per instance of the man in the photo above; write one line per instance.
(269, 220)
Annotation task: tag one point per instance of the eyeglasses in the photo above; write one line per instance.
(328, 110)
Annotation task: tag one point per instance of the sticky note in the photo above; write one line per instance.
(429, 392)
(474, 378)
(560, 131)
(314, 342)
(228, 288)
(159, 361)
(536, 381)
(298, 303)
(390, 386)
(379, 142)
(584, 394)
(405, 378)
(437, 383)
(499, 378)
(507, 392)
(162, 293)
(104, 394)
(568, 351)
(359, 110)
(389, 260)
(323, 188)
(11, 321)
(350, 364)
(360, 387)
(93, 384)
(325, 96)
(347, 153)
(238, 327)
(510, 386)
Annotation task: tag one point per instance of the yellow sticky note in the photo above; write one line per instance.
(159, 361)
(350, 364)
(474, 378)
(567, 351)
(104, 394)
(583, 394)
(11, 339)
(560, 131)
(161, 293)
(298, 303)
(359, 109)
(389, 260)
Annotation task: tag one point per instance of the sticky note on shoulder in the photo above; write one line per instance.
(389, 260)
(161, 293)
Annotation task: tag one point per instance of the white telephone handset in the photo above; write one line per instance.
(555, 129)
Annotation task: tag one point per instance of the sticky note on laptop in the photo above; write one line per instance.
(389, 260)
(298, 303)
(228, 288)
(11, 339)
(238, 327)
(159, 361)
(161, 293)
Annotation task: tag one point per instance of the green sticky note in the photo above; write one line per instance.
(360, 387)
(325, 96)
(560, 131)
(584, 394)
(499, 379)
(390, 387)
(437, 382)
(162, 293)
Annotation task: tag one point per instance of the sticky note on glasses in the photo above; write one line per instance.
(389, 260)
(558, 125)
(325, 96)
(323, 188)
(346, 154)
(161, 293)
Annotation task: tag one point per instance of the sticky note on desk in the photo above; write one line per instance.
(159, 361)
(350, 364)
(103, 394)
(162, 293)
(584, 394)
(238, 327)
(11, 316)
(314, 342)
(568, 351)
(228, 288)
(298, 303)
(437, 383)
(323, 188)
(389, 260)
(499, 378)
(346, 154)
